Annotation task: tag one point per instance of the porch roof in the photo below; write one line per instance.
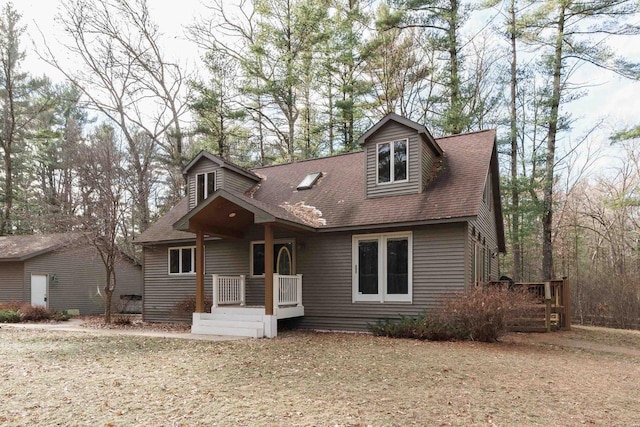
(227, 214)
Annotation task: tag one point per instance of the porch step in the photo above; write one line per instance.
(238, 310)
(245, 323)
(240, 329)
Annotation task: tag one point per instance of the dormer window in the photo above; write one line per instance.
(392, 161)
(205, 185)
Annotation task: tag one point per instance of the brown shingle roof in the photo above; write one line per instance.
(162, 230)
(20, 248)
(456, 191)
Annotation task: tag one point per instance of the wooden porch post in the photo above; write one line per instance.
(268, 270)
(199, 271)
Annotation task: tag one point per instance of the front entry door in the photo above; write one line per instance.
(39, 289)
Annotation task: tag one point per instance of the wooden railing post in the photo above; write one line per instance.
(566, 304)
(214, 303)
(547, 308)
(276, 292)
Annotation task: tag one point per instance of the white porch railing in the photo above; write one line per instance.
(228, 290)
(287, 290)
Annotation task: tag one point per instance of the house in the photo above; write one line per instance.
(335, 243)
(63, 272)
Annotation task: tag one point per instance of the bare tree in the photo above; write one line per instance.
(125, 76)
(103, 182)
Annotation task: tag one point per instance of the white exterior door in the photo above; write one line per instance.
(39, 289)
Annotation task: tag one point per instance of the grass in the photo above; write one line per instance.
(308, 379)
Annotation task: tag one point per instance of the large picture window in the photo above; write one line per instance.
(182, 260)
(392, 161)
(382, 266)
(283, 257)
(205, 185)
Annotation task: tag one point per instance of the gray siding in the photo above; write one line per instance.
(225, 178)
(324, 260)
(392, 132)
(80, 272)
(485, 224)
(226, 256)
(438, 269)
(427, 164)
(11, 276)
(236, 182)
(204, 165)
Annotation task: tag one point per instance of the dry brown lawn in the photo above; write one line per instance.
(309, 379)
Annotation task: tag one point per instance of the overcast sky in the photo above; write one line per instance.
(611, 98)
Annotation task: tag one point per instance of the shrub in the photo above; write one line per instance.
(60, 316)
(476, 315)
(13, 305)
(485, 314)
(187, 306)
(9, 316)
(122, 321)
(34, 313)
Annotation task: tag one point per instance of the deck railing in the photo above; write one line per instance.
(554, 294)
(228, 290)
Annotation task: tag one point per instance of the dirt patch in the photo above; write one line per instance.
(308, 379)
(132, 322)
(595, 339)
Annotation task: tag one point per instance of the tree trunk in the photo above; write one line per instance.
(515, 196)
(455, 115)
(547, 218)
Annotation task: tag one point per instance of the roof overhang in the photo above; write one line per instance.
(224, 214)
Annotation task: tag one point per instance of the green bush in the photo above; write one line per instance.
(60, 316)
(477, 315)
(9, 316)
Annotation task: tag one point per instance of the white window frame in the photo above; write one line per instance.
(206, 185)
(382, 296)
(275, 241)
(393, 165)
(193, 260)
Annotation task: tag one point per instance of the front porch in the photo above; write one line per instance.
(231, 316)
(226, 215)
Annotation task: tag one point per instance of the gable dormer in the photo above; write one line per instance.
(207, 173)
(400, 157)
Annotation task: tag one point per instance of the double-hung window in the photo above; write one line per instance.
(392, 161)
(205, 185)
(382, 267)
(182, 260)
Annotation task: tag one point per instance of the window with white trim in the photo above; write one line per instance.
(283, 257)
(391, 159)
(205, 185)
(182, 260)
(382, 267)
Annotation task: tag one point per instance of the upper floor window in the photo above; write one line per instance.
(392, 161)
(205, 185)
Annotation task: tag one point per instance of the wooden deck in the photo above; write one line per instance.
(553, 305)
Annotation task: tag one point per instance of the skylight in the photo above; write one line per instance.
(309, 180)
